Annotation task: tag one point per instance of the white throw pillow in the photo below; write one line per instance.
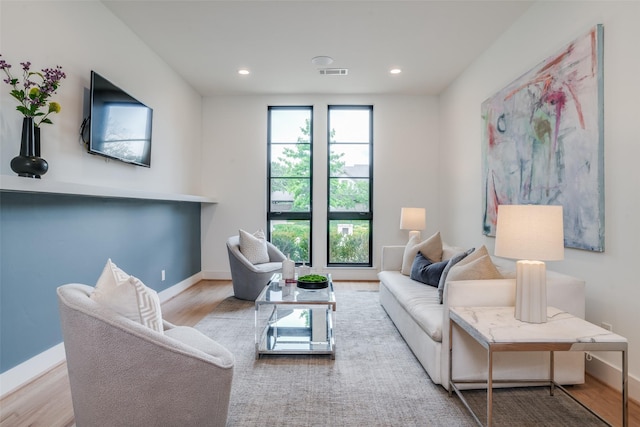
(128, 296)
(113, 291)
(479, 269)
(254, 246)
(148, 305)
(430, 248)
(452, 262)
(474, 255)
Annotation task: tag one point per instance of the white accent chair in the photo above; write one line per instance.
(249, 279)
(125, 374)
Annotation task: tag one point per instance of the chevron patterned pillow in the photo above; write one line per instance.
(128, 296)
(148, 305)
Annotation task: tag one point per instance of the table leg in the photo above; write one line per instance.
(490, 388)
(551, 373)
(625, 390)
(451, 326)
(256, 332)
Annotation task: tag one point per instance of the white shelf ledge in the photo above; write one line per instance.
(29, 185)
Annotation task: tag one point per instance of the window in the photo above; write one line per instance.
(350, 185)
(289, 169)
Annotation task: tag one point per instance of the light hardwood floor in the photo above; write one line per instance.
(46, 401)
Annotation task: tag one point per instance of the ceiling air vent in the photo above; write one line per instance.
(334, 71)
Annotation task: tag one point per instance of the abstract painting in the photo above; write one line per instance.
(543, 141)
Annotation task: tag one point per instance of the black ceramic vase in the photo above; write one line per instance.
(29, 163)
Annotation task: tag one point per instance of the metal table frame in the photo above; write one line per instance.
(457, 320)
(296, 299)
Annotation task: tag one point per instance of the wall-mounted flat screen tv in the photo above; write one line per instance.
(119, 124)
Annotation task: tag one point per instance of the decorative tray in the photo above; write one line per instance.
(313, 281)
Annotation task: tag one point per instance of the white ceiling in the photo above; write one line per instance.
(207, 41)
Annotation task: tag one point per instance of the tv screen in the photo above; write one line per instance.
(120, 125)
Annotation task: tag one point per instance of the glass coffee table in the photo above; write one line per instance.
(292, 320)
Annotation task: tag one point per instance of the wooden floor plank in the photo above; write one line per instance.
(46, 401)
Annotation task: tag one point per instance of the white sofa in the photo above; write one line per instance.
(423, 322)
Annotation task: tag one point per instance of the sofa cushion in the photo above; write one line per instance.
(426, 271)
(268, 267)
(455, 259)
(479, 269)
(254, 246)
(418, 300)
(128, 296)
(430, 248)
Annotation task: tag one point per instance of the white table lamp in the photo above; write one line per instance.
(531, 234)
(414, 220)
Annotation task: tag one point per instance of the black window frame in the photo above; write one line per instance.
(280, 215)
(349, 216)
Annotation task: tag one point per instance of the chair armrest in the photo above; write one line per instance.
(167, 325)
(391, 258)
(195, 339)
(235, 252)
(275, 254)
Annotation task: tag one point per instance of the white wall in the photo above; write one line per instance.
(235, 135)
(613, 290)
(82, 36)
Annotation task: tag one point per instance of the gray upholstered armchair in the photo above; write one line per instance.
(124, 374)
(249, 279)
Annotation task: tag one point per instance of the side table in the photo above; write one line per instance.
(496, 329)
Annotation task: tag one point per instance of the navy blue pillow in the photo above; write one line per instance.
(426, 271)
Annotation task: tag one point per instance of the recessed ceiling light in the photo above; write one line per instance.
(243, 71)
(395, 71)
(321, 61)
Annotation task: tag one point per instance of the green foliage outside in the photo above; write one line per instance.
(292, 238)
(291, 174)
(349, 248)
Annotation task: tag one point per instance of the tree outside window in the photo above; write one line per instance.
(349, 183)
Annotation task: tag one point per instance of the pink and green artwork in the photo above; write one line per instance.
(542, 142)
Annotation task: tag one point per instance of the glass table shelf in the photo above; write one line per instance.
(291, 320)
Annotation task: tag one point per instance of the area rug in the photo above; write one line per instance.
(375, 380)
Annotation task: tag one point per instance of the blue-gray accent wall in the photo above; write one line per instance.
(47, 240)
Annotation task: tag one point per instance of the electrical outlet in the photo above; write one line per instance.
(163, 275)
(606, 326)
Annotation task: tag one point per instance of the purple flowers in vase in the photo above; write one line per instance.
(32, 94)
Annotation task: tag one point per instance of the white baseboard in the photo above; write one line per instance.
(216, 275)
(612, 376)
(174, 290)
(27, 371)
(337, 273)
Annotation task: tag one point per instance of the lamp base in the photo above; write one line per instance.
(414, 233)
(531, 291)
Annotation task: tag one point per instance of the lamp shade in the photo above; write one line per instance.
(413, 219)
(530, 232)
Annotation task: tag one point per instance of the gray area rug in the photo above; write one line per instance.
(375, 379)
